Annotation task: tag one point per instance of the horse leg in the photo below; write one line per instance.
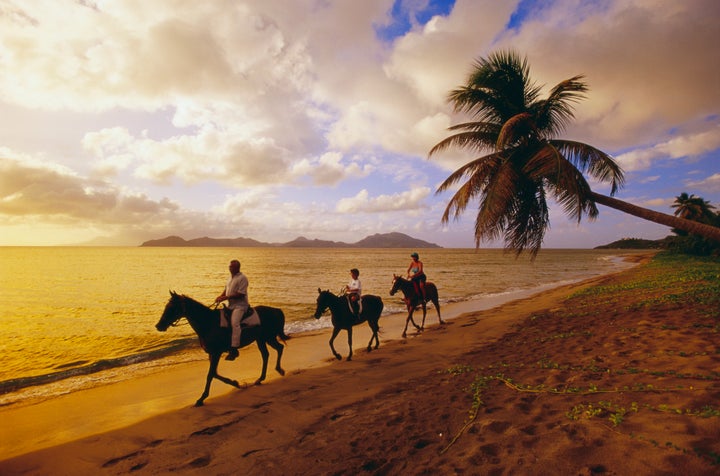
(262, 347)
(436, 302)
(411, 310)
(349, 332)
(279, 349)
(212, 373)
(335, 332)
(375, 328)
(424, 308)
(226, 380)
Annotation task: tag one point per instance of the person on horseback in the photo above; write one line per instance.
(416, 275)
(353, 290)
(235, 293)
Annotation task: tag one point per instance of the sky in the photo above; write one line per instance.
(127, 120)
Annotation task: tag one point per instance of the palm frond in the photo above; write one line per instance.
(497, 203)
(477, 136)
(556, 112)
(514, 130)
(528, 220)
(594, 162)
(479, 173)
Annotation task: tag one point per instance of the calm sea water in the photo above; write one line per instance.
(73, 311)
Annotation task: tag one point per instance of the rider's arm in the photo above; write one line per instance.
(221, 297)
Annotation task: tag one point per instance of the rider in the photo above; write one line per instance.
(416, 275)
(353, 290)
(236, 295)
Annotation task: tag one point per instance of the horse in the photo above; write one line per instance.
(215, 340)
(413, 300)
(343, 317)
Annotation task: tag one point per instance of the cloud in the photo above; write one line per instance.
(709, 184)
(330, 169)
(35, 190)
(689, 145)
(362, 203)
(639, 59)
(228, 117)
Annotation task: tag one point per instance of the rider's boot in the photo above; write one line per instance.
(233, 354)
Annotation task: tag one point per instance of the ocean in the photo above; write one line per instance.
(74, 317)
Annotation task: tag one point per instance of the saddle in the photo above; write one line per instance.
(245, 320)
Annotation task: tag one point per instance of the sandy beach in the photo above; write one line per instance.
(607, 376)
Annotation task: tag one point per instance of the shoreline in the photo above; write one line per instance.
(45, 423)
(51, 386)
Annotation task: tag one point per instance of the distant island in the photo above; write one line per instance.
(636, 244)
(378, 240)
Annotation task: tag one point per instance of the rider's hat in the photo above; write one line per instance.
(414, 255)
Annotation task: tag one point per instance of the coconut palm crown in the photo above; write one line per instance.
(525, 162)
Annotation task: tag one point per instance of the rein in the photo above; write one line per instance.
(214, 306)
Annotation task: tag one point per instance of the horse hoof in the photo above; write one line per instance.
(235, 384)
(199, 403)
(281, 372)
(258, 381)
(404, 335)
(338, 357)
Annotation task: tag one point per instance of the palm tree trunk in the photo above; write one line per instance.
(697, 228)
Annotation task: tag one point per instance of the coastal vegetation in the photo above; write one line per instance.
(526, 163)
(634, 357)
(689, 207)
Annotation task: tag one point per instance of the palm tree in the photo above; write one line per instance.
(692, 207)
(526, 162)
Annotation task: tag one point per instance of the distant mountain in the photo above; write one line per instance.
(393, 240)
(204, 242)
(302, 242)
(379, 240)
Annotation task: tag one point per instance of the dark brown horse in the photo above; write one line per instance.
(215, 340)
(413, 300)
(343, 318)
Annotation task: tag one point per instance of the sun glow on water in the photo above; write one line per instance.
(65, 310)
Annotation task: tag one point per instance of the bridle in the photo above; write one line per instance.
(180, 315)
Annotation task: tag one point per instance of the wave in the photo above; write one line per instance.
(79, 368)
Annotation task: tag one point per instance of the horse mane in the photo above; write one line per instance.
(197, 305)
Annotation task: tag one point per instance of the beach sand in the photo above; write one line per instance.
(553, 384)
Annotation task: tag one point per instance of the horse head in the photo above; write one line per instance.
(395, 284)
(174, 311)
(323, 302)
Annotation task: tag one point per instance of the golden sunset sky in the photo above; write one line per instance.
(127, 120)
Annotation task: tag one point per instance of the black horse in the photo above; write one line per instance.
(215, 340)
(413, 300)
(343, 317)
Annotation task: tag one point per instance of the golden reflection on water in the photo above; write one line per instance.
(62, 307)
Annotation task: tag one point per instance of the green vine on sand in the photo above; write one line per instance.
(616, 413)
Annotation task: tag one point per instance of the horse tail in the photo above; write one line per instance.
(281, 330)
